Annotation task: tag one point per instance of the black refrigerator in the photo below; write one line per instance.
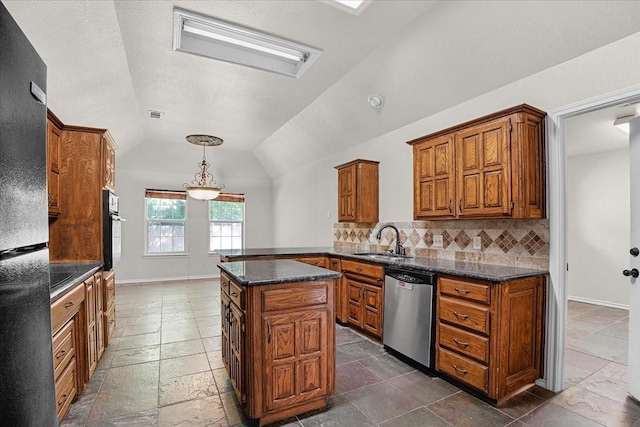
(27, 389)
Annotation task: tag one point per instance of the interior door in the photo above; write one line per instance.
(634, 261)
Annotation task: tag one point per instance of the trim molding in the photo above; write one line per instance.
(164, 279)
(598, 302)
(556, 158)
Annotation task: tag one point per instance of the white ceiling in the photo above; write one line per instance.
(110, 61)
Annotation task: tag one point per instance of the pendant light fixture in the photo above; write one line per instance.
(203, 186)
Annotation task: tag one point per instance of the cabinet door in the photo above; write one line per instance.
(53, 172)
(90, 307)
(484, 169)
(225, 307)
(347, 193)
(372, 305)
(109, 164)
(434, 178)
(295, 357)
(236, 350)
(354, 302)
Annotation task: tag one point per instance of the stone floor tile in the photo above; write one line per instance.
(521, 404)
(345, 335)
(179, 315)
(423, 388)
(340, 412)
(212, 343)
(584, 361)
(362, 349)
(351, 376)
(139, 419)
(215, 359)
(184, 365)
(342, 357)
(610, 382)
(386, 366)
(141, 329)
(597, 408)
(134, 341)
(420, 417)
(125, 390)
(550, 414)
(181, 348)
(235, 413)
(199, 412)
(136, 355)
(171, 334)
(602, 346)
(188, 387)
(463, 409)
(382, 402)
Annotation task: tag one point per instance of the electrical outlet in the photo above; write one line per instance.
(477, 242)
(437, 241)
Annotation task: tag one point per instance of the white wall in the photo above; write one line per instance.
(603, 70)
(135, 267)
(598, 188)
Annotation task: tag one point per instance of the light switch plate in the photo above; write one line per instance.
(477, 242)
(437, 241)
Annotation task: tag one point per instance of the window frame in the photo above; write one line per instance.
(227, 197)
(164, 194)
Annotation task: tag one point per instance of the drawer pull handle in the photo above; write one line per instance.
(61, 353)
(460, 343)
(460, 370)
(233, 294)
(359, 269)
(462, 291)
(69, 304)
(112, 321)
(460, 316)
(63, 399)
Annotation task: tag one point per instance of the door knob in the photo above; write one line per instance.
(634, 251)
(633, 273)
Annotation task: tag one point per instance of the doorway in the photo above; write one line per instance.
(557, 122)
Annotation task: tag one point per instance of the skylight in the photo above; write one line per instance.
(213, 38)
(354, 7)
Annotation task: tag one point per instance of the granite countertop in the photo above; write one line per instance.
(491, 272)
(269, 272)
(66, 276)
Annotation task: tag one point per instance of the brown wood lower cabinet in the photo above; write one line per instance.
(363, 295)
(67, 318)
(278, 345)
(490, 335)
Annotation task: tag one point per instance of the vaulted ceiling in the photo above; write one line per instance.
(111, 61)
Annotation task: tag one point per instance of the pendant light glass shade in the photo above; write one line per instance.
(203, 186)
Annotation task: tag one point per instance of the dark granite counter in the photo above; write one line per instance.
(269, 272)
(491, 272)
(66, 276)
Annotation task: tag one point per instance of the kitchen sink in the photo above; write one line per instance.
(383, 255)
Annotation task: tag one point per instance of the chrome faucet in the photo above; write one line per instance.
(399, 248)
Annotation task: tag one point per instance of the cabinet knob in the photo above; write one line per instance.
(634, 251)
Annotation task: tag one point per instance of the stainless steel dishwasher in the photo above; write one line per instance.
(409, 311)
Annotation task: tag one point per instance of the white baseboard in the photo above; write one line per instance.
(598, 302)
(164, 279)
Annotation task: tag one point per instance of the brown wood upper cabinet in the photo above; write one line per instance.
(491, 167)
(53, 162)
(358, 191)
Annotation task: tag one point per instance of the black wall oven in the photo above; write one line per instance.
(112, 229)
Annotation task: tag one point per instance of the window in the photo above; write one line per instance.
(226, 222)
(165, 221)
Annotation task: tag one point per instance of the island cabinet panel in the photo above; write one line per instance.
(489, 336)
(491, 167)
(278, 346)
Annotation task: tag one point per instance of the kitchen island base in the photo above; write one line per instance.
(278, 339)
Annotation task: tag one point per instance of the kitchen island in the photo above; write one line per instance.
(278, 336)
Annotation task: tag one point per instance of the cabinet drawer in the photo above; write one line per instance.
(236, 293)
(317, 261)
(109, 289)
(470, 344)
(66, 307)
(469, 315)
(66, 389)
(224, 283)
(63, 347)
(465, 289)
(463, 369)
(287, 298)
(363, 269)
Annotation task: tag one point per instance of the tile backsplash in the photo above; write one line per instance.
(521, 243)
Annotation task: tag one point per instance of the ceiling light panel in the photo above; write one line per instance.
(212, 38)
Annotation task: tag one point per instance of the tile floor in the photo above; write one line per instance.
(163, 368)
